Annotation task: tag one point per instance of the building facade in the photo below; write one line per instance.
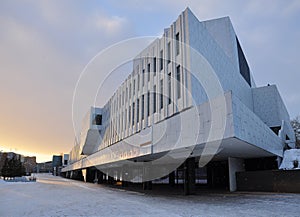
(45, 167)
(190, 100)
(30, 165)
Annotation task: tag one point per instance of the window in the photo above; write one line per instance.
(169, 52)
(129, 114)
(148, 71)
(133, 87)
(177, 43)
(97, 120)
(154, 65)
(154, 99)
(143, 78)
(121, 120)
(130, 91)
(161, 59)
(161, 93)
(148, 104)
(178, 81)
(169, 87)
(138, 82)
(133, 109)
(143, 104)
(137, 110)
(125, 119)
(243, 65)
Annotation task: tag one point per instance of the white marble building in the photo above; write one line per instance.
(191, 95)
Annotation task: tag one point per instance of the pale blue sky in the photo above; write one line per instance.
(44, 45)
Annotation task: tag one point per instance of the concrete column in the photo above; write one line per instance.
(84, 174)
(106, 177)
(234, 165)
(189, 176)
(147, 185)
(118, 174)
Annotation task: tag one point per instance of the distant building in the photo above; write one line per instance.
(13, 155)
(65, 160)
(45, 167)
(57, 164)
(30, 165)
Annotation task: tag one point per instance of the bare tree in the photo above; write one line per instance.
(296, 126)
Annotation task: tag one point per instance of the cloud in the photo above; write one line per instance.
(110, 25)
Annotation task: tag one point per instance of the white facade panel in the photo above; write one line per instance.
(140, 121)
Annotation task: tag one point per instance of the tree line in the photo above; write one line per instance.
(12, 168)
(296, 126)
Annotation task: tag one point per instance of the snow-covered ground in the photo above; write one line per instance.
(55, 196)
(288, 159)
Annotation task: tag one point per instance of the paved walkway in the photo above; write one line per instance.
(55, 196)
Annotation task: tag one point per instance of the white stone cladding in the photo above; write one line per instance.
(132, 110)
(224, 66)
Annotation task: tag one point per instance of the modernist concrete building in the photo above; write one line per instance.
(189, 104)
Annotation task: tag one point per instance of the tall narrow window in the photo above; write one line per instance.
(130, 91)
(125, 120)
(154, 99)
(143, 78)
(133, 87)
(161, 93)
(133, 109)
(169, 52)
(178, 77)
(122, 119)
(148, 72)
(138, 82)
(169, 87)
(129, 115)
(161, 59)
(148, 103)
(154, 66)
(143, 105)
(177, 44)
(137, 110)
